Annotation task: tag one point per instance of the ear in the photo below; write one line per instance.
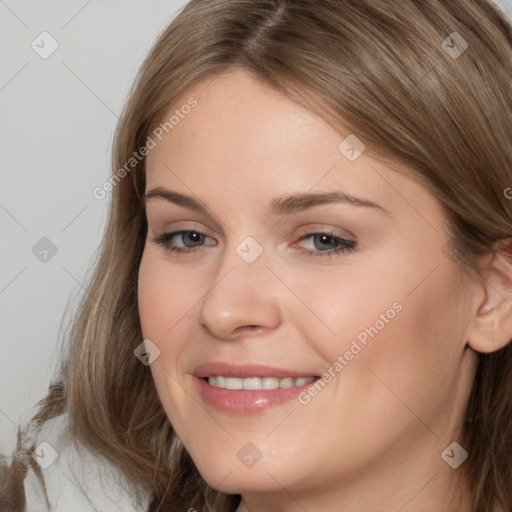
(491, 328)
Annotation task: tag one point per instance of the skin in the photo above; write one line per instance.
(372, 438)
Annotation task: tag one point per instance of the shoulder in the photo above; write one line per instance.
(62, 476)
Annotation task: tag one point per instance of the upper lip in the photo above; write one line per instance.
(245, 371)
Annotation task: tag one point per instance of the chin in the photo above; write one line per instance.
(238, 484)
(237, 479)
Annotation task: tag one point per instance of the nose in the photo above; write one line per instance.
(241, 298)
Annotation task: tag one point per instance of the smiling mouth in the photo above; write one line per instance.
(257, 383)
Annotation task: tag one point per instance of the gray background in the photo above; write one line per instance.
(58, 120)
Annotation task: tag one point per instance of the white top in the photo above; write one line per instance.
(74, 481)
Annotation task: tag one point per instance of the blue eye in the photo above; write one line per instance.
(166, 240)
(342, 244)
(196, 239)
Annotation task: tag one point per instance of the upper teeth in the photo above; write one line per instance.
(256, 383)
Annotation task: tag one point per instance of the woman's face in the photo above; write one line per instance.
(258, 293)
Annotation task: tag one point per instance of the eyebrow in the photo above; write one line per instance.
(281, 205)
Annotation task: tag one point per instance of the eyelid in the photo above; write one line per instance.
(303, 230)
(325, 228)
(347, 244)
(184, 225)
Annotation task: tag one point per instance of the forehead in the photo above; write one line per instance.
(237, 116)
(244, 139)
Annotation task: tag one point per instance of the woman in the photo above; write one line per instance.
(227, 357)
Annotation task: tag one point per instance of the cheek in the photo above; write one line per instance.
(357, 311)
(162, 304)
(161, 299)
(398, 334)
(410, 365)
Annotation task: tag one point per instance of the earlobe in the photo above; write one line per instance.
(492, 324)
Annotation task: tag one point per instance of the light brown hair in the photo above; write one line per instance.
(377, 68)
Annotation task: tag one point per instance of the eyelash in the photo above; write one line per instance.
(346, 245)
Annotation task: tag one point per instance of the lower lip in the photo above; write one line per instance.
(243, 401)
